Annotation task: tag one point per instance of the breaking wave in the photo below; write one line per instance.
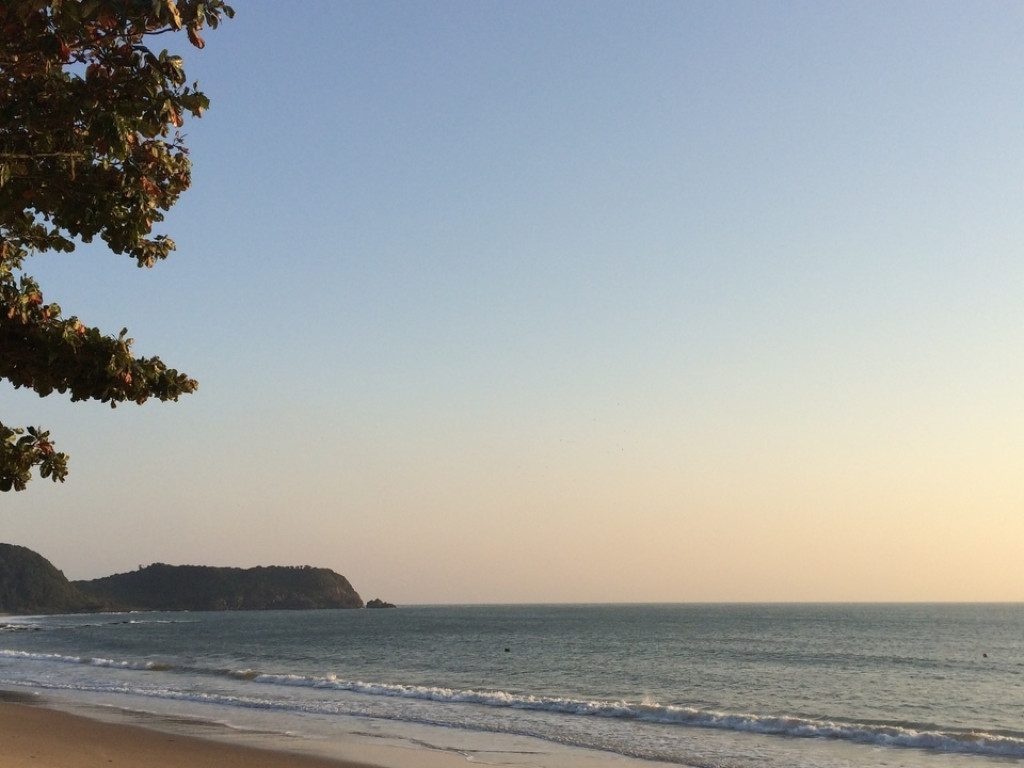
(932, 738)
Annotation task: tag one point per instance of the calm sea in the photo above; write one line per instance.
(728, 686)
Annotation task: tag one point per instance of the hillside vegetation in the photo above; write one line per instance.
(29, 584)
(162, 587)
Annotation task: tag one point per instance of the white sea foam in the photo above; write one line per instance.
(882, 735)
(89, 660)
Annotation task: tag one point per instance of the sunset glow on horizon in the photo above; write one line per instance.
(576, 302)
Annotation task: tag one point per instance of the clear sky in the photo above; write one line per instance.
(576, 301)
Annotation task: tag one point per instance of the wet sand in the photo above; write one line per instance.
(35, 737)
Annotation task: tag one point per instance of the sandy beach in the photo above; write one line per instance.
(35, 737)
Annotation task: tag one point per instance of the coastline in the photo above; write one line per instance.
(578, 687)
(42, 732)
(32, 734)
(38, 732)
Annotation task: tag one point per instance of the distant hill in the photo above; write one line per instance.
(29, 583)
(161, 587)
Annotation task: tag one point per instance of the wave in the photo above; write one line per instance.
(889, 735)
(20, 627)
(926, 737)
(89, 660)
(31, 624)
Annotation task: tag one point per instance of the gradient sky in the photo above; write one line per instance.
(575, 302)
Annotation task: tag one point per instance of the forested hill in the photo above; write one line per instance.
(29, 583)
(161, 587)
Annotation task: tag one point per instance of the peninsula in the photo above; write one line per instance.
(29, 583)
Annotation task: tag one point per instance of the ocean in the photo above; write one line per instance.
(716, 686)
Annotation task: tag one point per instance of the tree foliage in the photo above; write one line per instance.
(90, 146)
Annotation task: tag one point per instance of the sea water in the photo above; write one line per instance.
(722, 686)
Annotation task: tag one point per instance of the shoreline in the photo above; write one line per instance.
(33, 734)
(39, 732)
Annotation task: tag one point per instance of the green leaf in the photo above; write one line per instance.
(86, 64)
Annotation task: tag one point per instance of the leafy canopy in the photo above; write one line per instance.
(90, 147)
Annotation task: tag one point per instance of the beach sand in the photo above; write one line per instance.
(36, 737)
(40, 733)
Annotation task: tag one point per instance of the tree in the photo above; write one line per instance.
(89, 147)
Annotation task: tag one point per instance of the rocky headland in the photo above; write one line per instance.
(29, 583)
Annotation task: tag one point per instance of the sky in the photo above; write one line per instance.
(602, 301)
